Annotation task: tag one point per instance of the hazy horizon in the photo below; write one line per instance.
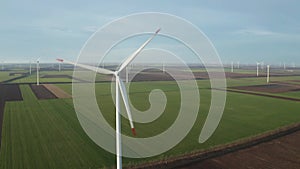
(242, 31)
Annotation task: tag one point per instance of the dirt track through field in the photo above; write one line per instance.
(58, 92)
(8, 93)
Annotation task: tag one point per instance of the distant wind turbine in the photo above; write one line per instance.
(268, 73)
(37, 71)
(120, 87)
(59, 66)
(257, 68)
(30, 67)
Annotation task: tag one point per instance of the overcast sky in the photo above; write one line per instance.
(245, 31)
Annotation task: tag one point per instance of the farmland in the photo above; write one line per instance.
(45, 133)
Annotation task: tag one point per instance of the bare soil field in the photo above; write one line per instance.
(152, 76)
(160, 76)
(57, 76)
(270, 88)
(8, 93)
(11, 92)
(41, 92)
(63, 76)
(281, 153)
(17, 73)
(58, 92)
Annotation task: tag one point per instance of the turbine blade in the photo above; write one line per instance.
(125, 99)
(92, 68)
(132, 56)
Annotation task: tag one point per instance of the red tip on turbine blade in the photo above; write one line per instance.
(133, 131)
(60, 60)
(157, 31)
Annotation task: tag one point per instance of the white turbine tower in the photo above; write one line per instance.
(59, 66)
(37, 71)
(2, 66)
(231, 67)
(120, 87)
(30, 67)
(257, 67)
(268, 73)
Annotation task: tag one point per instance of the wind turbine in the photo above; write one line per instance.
(257, 64)
(262, 65)
(231, 67)
(37, 71)
(30, 67)
(268, 73)
(2, 67)
(59, 66)
(120, 87)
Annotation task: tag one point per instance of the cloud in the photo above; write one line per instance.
(90, 29)
(60, 29)
(257, 32)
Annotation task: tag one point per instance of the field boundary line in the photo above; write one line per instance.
(262, 94)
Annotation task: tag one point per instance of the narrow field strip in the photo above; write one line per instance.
(41, 92)
(58, 92)
(262, 94)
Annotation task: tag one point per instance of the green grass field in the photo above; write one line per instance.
(46, 133)
(4, 75)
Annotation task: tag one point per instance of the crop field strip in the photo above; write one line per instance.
(41, 92)
(46, 134)
(59, 93)
(270, 88)
(8, 93)
(263, 94)
(278, 89)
